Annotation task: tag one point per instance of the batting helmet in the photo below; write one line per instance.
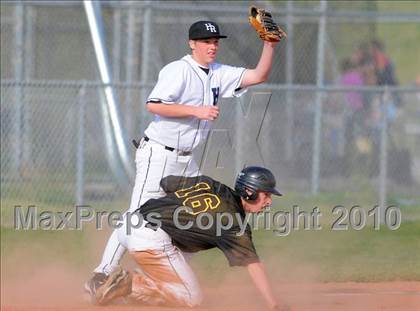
(254, 179)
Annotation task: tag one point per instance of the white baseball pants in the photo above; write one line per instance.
(165, 277)
(153, 162)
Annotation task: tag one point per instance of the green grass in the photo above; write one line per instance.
(42, 248)
(402, 40)
(56, 198)
(321, 255)
(330, 255)
(366, 255)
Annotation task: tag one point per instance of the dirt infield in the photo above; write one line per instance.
(42, 285)
(56, 290)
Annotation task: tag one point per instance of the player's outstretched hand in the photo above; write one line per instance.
(282, 308)
(207, 112)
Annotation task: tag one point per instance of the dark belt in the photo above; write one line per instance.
(166, 147)
(183, 153)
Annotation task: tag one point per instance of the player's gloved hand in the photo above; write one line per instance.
(262, 21)
(207, 112)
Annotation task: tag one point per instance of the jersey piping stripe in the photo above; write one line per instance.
(238, 86)
(155, 99)
(173, 268)
(145, 178)
(204, 95)
(112, 258)
(116, 250)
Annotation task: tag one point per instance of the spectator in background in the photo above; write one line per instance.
(363, 61)
(352, 75)
(384, 68)
(378, 70)
(359, 54)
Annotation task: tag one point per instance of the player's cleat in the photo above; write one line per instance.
(92, 285)
(118, 284)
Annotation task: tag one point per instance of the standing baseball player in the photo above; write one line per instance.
(197, 213)
(184, 101)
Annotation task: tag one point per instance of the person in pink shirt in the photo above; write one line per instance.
(352, 76)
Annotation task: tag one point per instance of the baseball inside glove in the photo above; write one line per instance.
(263, 23)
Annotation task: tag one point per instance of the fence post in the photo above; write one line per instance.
(130, 66)
(18, 68)
(80, 150)
(27, 70)
(145, 60)
(119, 153)
(383, 154)
(116, 43)
(289, 81)
(316, 154)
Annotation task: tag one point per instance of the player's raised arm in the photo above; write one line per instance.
(183, 111)
(271, 34)
(261, 73)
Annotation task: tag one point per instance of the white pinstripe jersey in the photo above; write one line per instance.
(184, 82)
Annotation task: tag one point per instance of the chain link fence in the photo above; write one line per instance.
(55, 135)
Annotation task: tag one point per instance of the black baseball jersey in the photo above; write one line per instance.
(189, 197)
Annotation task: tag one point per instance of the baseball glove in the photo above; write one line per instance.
(263, 23)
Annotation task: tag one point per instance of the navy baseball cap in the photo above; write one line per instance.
(204, 30)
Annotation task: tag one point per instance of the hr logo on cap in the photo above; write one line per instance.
(204, 30)
(210, 27)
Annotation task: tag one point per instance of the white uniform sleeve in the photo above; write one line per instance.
(170, 84)
(231, 78)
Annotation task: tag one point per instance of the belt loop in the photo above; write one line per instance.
(136, 143)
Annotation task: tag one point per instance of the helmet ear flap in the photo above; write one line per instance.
(253, 196)
(246, 195)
